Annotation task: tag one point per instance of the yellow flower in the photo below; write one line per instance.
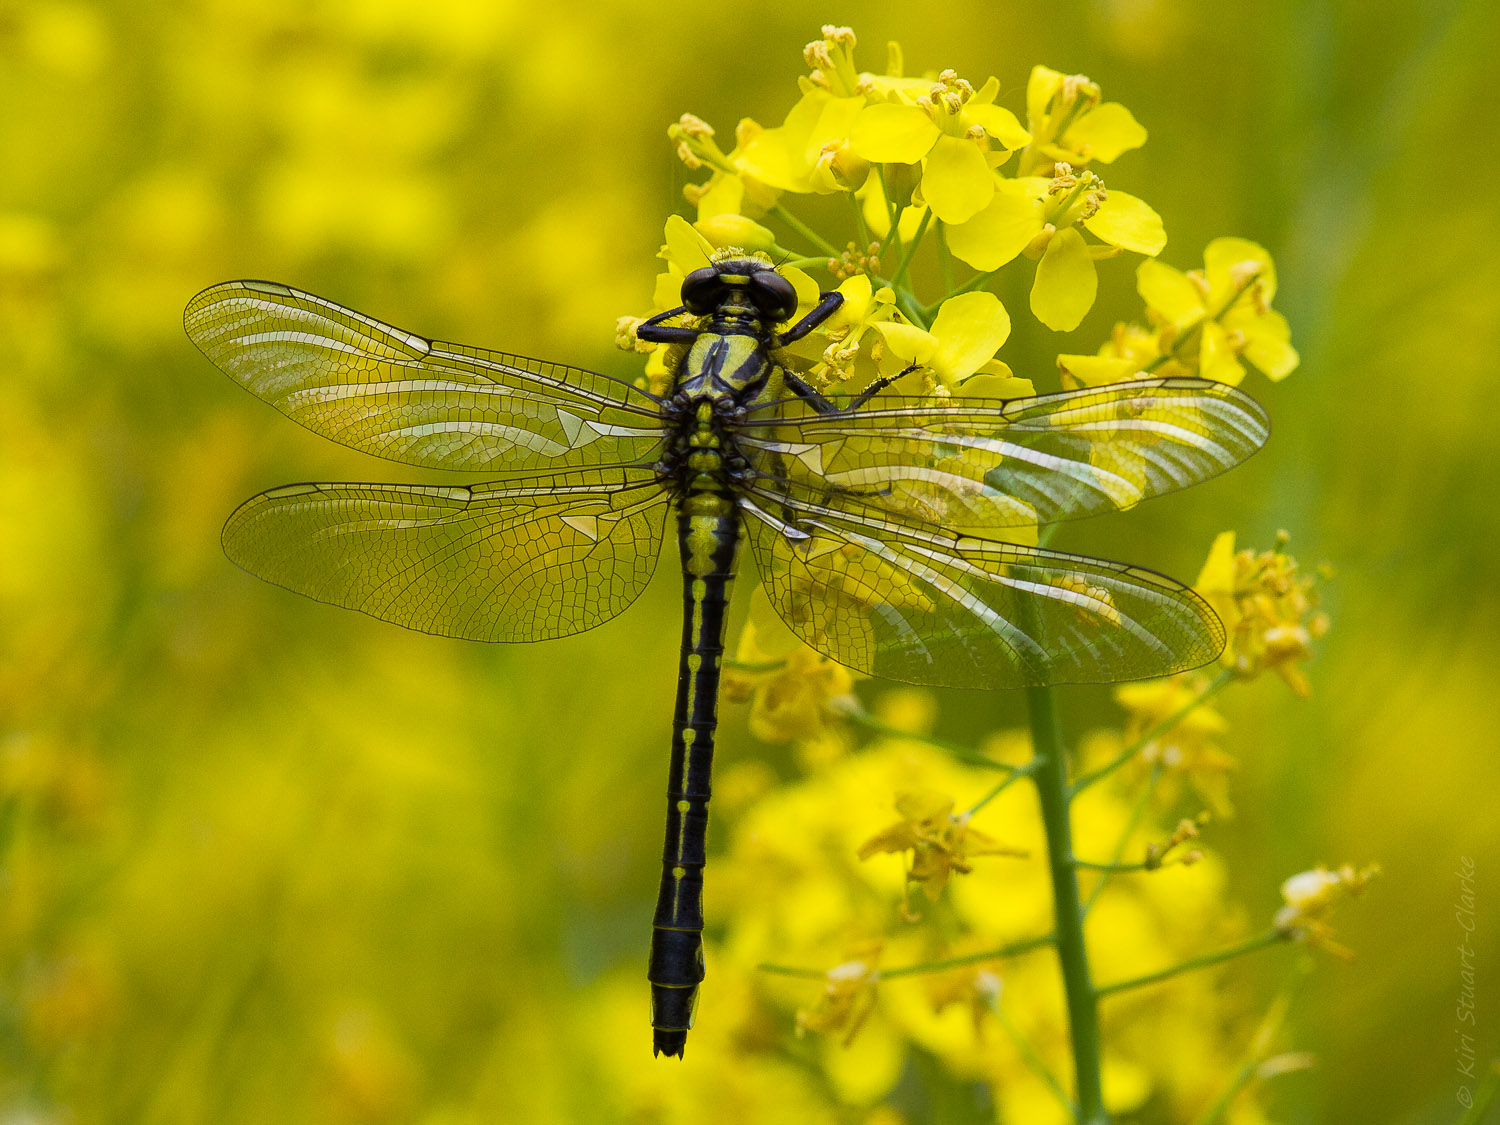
(1214, 317)
(1068, 123)
(1269, 609)
(956, 133)
(967, 331)
(1189, 749)
(792, 695)
(1129, 352)
(847, 999)
(1045, 219)
(1310, 897)
(940, 842)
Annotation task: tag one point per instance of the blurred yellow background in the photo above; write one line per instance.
(264, 860)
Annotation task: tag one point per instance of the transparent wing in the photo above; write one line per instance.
(927, 607)
(518, 561)
(987, 463)
(384, 391)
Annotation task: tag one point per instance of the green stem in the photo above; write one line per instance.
(1016, 775)
(1260, 1046)
(945, 258)
(1250, 945)
(1029, 1054)
(911, 248)
(804, 230)
(1092, 866)
(1215, 686)
(913, 309)
(1012, 950)
(978, 281)
(1083, 1014)
(1142, 802)
(859, 222)
(893, 214)
(863, 718)
(1484, 1097)
(1195, 329)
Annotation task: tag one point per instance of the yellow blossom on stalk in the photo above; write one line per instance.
(847, 999)
(957, 135)
(1046, 219)
(1188, 749)
(940, 842)
(1069, 123)
(967, 331)
(1130, 351)
(1269, 609)
(1310, 897)
(792, 695)
(1213, 318)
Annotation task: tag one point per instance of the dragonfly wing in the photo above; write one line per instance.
(927, 607)
(385, 391)
(519, 561)
(988, 463)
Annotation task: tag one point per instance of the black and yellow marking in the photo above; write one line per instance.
(708, 532)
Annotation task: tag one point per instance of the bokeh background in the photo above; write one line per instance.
(264, 860)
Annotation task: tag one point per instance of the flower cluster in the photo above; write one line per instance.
(1310, 898)
(1269, 608)
(1207, 322)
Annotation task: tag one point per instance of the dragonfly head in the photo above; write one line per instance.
(743, 285)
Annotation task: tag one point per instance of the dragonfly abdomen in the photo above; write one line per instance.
(708, 528)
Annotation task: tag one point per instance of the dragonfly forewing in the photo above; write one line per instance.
(389, 392)
(977, 464)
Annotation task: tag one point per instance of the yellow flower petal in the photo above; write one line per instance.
(1040, 89)
(1268, 346)
(877, 213)
(1065, 283)
(806, 288)
(1095, 370)
(986, 385)
(1127, 222)
(891, 133)
(1228, 262)
(907, 340)
(736, 230)
(1105, 132)
(956, 181)
(725, 194)
(1216, 580)
(1000, 123)
(685, 246)
(1216, 358)
(1001, 231)
(786, 156)
(857, 291)
(668, 291)
(969, 328)
(1168, 292)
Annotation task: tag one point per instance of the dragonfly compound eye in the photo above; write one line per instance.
(701, 291)
(773, 295)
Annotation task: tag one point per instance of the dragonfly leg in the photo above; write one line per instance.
(658, 331)
(877, 386)
(823, 406)
(825, 308)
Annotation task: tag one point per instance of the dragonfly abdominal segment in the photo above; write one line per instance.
(879, 523)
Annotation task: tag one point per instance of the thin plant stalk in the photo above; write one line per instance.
(1050, 777)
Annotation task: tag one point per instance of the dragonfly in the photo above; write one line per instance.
(878, 521)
